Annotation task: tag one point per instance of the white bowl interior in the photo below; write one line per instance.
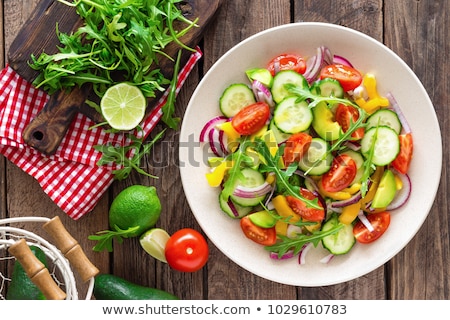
(367, 55)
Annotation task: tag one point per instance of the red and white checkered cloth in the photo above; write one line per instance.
(70, 177)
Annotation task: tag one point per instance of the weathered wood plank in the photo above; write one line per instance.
(418, 32)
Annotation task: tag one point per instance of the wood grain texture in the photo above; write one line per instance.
(418, 31)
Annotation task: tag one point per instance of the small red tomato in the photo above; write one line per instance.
(186, 250)
(345, 115)
(348, 77)
(380, 222)
(301, 208)
(296, 146)
(264, 236)
(402, 161)
(341, 174)
(287, 62)
(251, 118)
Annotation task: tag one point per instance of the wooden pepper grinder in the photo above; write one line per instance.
(71, 249)
(36, 271)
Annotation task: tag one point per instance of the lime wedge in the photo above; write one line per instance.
(123, 106)
(154, 243)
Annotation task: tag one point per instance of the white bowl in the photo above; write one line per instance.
(393, 75)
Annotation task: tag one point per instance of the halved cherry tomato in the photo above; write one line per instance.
(264, 236)
(251, 118)
(296, 146)
(186, 250)
(341, 174)
(287, 62)
(380, 222)
(402, 161)
(348, 77)
(345, 115)
(301, 208)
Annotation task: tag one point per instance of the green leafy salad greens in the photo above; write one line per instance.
(120, 40)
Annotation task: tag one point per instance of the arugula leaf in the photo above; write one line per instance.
(169, 107)
(285, 243)
(120, 156)
(105, 238)
(282, 180)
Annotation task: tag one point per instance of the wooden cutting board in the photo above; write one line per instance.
(38, 35)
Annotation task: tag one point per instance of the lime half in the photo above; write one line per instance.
(154, 243)
(123, 106)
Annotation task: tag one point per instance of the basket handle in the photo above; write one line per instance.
(36, 270)
(71, 249)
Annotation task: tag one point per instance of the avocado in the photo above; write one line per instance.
(262, 219)
(111, 287)
(386, 191)
(324, 124)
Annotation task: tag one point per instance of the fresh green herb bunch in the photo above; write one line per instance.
(118, 37)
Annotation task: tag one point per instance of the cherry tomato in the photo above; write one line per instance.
(287, 62)
(251, 118)
(345, 115)
(264, 236)
(341, 174)
(186, 250)
(348, 77)
(402, 161)
(296, 146)
(301, 208)
(380, 222)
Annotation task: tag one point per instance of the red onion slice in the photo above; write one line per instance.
(303, 252)
(403, 194)
(398, 110)
(362, 217)
(287, 255)
(341, 60)
(215, 143)
(210, 125)
(245, 192)
(327, 258)
(262, 93)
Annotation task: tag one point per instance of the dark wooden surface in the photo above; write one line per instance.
(417, 30)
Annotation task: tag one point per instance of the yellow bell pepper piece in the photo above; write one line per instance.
(282, 207)
(349, 213)
(281, 227)
(215, 177)
(339, 195)
(375, 101)
(376, 177)
(232, 135)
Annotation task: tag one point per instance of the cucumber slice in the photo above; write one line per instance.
(234, 98)
(328, 88)
(238, 209)
(291, 116)
(279, 136)
(342, 241)
(384, 117)
(251, 179)
(283, 77)
(316, 151)
(386, 146)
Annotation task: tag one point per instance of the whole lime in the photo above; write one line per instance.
(135, 206)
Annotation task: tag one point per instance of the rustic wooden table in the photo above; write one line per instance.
(418, 31)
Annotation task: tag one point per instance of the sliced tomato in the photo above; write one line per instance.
(264, 236)
(380, 222)
(345, 116)
(341, 174)
(251, 118)
(348, 77)
(303, 210)
(402, 161)
(295, 147)
(287, 62)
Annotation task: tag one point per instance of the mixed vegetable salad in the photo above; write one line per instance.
(309, 153)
